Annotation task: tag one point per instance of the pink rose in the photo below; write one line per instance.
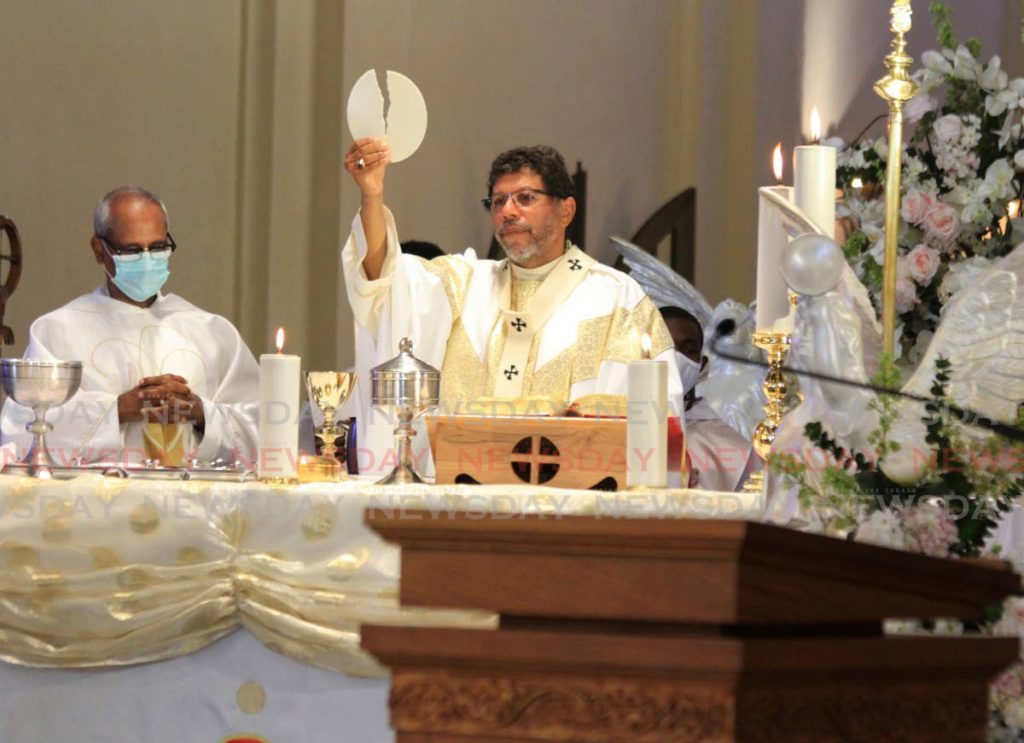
(930, 530)
(1009, 686)
(922, 263)
(915, 205)
(906, 295)
(941, 222)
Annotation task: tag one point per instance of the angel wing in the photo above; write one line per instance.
(734, 389)
(836, 333)
(858, 300)
(982, 334)
(796, 222)
(664, 286)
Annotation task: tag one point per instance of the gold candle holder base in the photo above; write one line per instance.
(320, 469)
(775, 387)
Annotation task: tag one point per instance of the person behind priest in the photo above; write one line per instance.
(424, 249)
(147, 357)
(547, 321)
(721, 458)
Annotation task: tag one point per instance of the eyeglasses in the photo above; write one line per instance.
(160, 250)
(523, 198)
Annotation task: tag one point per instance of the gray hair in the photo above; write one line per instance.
(101, 221)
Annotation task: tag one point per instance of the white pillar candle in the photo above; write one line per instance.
(279, 413)
(647, 424)
(772, 292)
(814, 185)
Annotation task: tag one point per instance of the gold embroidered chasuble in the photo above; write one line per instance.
(495, 332)
(612, 336)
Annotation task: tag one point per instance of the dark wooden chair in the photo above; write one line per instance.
(678, 219)
(10, 283)
(577, 232)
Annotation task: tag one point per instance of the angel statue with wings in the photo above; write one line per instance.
(723, 398)
(975, 362)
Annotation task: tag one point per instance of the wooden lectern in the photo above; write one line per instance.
(679, 630)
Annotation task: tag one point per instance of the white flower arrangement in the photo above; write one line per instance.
(948, 504)
(962, 182)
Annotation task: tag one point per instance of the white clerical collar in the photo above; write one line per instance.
(519, 273)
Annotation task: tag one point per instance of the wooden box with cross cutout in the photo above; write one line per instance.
(560, 452)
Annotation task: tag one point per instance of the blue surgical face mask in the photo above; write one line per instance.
(141, 278)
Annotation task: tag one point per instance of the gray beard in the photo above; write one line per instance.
(525, 254)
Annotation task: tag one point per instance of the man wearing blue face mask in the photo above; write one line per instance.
(161, 378)
(721, 458)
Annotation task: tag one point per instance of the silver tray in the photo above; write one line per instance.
(143, 472)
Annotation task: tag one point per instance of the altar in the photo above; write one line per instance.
(194, 610)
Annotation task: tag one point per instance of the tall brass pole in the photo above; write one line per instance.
(896, 88)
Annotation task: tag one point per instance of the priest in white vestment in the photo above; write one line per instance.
(154, 366)
(720, 457)
(548, 320)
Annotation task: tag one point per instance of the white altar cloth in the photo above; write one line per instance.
(101, 577)
(193, 699)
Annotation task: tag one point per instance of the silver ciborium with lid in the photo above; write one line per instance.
(39, 385)
(406, 388)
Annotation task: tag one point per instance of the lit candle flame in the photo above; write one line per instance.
(815, 124)
(857, 184)
(1013, 209)
(279, 340)
(645, 345)
(777, 162)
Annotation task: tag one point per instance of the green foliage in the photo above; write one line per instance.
(888, 377)
(970, 477)
(856, 244)
(872, 272)
(942, 19)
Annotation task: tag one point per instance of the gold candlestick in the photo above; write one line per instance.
(775, 390)
(896, 88)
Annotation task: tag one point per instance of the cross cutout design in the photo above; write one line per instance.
(535, 459)
(519, 325)
(574, 264)
(511, 372)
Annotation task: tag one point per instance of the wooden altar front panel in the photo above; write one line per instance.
(678, 630)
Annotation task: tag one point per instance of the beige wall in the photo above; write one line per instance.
(229, 110)
(232, 110)
(95, 95)
(586, 76)
(843, 52)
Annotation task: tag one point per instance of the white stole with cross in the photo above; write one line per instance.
(523, 325)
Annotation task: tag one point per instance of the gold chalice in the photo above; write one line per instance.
(328, 391)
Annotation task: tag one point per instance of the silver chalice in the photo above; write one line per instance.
(39, 385)
(406, 388)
